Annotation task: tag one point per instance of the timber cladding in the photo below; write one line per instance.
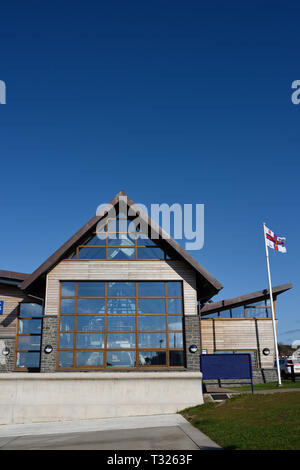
(239, 334)
(71, 270)
(12, 296)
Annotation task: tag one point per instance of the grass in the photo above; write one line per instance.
(252, 422)
(267, 386)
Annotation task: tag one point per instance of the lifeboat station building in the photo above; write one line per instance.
(109, 326)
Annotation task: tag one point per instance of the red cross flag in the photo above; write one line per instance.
(274, 242)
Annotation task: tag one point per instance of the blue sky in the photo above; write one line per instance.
(171, 101)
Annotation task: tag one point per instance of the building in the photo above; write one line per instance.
(116, 304)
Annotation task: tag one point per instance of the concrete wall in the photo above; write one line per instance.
(27, 397)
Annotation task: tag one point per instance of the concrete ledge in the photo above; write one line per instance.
(29, 398)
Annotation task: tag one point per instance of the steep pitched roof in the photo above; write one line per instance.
(243, 299)
(207, 285)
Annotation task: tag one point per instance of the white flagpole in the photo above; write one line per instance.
(272, 308)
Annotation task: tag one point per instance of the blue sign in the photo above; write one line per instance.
(1, 306)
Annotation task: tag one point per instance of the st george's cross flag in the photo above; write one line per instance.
(274, 242)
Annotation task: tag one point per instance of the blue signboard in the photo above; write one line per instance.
(1, 306)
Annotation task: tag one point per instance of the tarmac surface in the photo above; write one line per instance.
(160, 432)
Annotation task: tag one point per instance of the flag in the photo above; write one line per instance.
(274, 242)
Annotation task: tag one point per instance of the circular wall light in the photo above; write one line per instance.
(5, 351)
(266, 351)
(48, 349)
(193, 349)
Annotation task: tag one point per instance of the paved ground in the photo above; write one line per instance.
(169, 432)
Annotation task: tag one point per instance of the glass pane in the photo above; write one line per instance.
(92, 253)
(90, 340)
(121, 358)
(120, 305)
(121, 253)
(90, 323)
(175, 340)
(30, 326)
(66, 340)
(151, 289)
(257, 312)
(91, 289)
(210, 315)
(174, 306)
(120, 225)
(87, 358)
(174, 289)
(149, 322)
(151, 306)
(225, 314)
(176, 358)
(152, 358)
(31, 310)
(174, 322)
(150, 253)
(65, 359)
(66, 323)
(68, 289)
(90, 305)
(152, 340)
(97, 240)
(145, 241)
(28, 343)
(120, 340)
(121, 323)
(121, 289)
(257, 304)
(120, 239)
(238, 312)
(67, 306)
(28, 360)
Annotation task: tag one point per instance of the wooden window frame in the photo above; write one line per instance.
(105, 314)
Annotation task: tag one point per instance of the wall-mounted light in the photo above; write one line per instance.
(266, 351)
(48, 349)
(193, 349)
(5, 351)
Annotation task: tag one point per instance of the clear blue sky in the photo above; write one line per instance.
(171, 101)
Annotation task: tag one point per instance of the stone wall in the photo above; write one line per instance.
(192, 336)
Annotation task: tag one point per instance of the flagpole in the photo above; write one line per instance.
(272, 309)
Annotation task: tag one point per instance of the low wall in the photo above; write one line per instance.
(28, 397)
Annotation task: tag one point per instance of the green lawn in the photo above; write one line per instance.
(267, 386)
(260, 422)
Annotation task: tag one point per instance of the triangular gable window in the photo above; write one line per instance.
(119, 240)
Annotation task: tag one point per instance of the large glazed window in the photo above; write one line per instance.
(28, 347)
(120, 325)
(119, 240)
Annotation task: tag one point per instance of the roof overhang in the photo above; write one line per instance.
(12, 278)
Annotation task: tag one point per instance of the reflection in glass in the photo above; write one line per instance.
(28, 343)
(31, 310)
(90, 305)
(121, 253)
(91, 289)
(174, 322)
(151, 358)
(68, 289)
(174, 289)
(150, 253)
(90, 323)
(143, 240)
(121, 359)
(151, 306)
(151, 289)
(67, 306)
(121, 323)
(89, 358)
(66, 340)
(30, 326)
(176, 358)
(97, 240)
(122, 239)
(92, 253)
(67, 323)
(120, 305)
(121, 289)
(28, 360)
(120, 340)
(65, 359)
(175, 340)
(238, 312)
(152, 322)
(152, 340)
(174, 306)
(90, 340)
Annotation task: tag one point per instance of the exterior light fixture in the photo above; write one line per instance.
(5, 351)
(266, 351)
(193, 349)
(48, 349)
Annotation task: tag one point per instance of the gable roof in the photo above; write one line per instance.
(12, 277)
(207, 285)
(243, 299)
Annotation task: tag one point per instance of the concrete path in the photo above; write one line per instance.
(169, 432)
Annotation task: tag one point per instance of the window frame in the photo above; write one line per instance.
(18, 335)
